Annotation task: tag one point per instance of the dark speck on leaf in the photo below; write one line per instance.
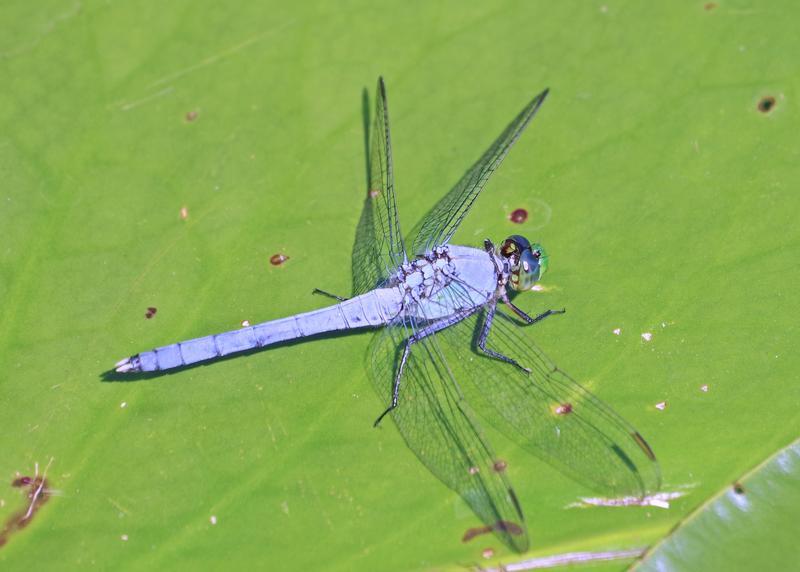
(191, 116)
(518, 216)
(151, 311)
(766, 104)
(738, 488)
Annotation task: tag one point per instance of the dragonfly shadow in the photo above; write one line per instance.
(368, 261)
(112, 376)
(366, 118)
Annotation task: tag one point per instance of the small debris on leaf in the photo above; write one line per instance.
(564, 409)
(278, 259)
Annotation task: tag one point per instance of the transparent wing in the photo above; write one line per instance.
(439, 225)
(546, 411)
(378, 248)
(441, 429)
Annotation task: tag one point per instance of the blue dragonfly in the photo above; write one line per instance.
(454, 348)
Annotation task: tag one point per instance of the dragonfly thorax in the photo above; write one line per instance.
(422, 277)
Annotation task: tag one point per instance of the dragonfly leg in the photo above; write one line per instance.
(410, 341)
(529, 320)
(487, 326)
(488, 246)
(329, 295)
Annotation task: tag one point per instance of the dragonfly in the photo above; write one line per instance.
(452, 349)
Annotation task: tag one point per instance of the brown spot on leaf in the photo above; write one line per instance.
(500, 525)
(37, 494)
(738, 488)
(500, 466)
(766, 104)
(191, 116)
(473, 532)
(518, 216)
(151, 311)
(278, 259)
(184, 213)
(710, 5)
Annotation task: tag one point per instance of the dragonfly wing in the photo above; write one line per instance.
(378, 248)
(441, 429)
(441, 222)
(546, 411)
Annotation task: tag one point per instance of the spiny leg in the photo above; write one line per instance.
(329, 295)
(411, 340)
(487, 326)
(530, 320)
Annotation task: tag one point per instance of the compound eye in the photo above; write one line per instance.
(509, 247)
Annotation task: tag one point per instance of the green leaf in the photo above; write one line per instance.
(758, 511)
(664, 196)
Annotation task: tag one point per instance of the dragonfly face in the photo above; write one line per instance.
(527, 262)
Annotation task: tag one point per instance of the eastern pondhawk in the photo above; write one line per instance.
(446, 348)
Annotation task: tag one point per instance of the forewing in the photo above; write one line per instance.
(546, 411)
(378, 248)
(441, 429)
(439, 225)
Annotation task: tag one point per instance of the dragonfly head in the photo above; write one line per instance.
(527, 261)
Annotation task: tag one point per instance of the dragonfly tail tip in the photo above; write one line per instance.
(124, 366)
